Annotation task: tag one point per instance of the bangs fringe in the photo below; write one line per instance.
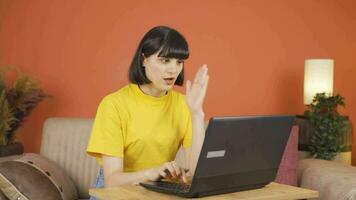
(175, 47)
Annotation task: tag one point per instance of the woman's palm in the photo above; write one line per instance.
(195, 93)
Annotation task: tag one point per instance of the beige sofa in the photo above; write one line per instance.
(64, 142)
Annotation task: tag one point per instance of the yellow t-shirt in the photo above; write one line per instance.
(145, 131)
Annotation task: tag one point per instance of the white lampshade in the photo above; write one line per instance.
(318, 78)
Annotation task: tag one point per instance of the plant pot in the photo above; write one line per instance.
(11, 149)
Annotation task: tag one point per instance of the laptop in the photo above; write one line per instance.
(238, 153)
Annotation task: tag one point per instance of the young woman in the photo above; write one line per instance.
(139, 128)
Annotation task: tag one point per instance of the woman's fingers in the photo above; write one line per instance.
(168, 170)
(200, 74)
(188, 87)
(200, 78)
(206, 81)
(196, 91)
(205, 77)
(177, 169)
(196, 78)
(171, 169)
(184, 176)
(162, 172)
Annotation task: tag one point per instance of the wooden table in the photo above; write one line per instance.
(272, 191)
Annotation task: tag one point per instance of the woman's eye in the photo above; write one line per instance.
(166, 60)
(180, 61)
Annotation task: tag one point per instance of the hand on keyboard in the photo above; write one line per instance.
(186, 179)
(169, 170)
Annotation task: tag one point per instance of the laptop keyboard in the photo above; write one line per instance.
(173, 186)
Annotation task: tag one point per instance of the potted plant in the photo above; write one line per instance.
(327, 124)
(17, 100)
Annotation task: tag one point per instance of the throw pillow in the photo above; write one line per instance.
(35, 177)
(2, 196)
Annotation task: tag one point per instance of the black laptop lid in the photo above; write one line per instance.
(241, 152)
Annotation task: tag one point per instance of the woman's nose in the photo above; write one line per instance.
(173, 68)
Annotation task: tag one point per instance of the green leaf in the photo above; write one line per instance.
(327, 124)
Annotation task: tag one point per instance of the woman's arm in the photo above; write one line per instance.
(192, 153)
(114, 175)
(195, 95)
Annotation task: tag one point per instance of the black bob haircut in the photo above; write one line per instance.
(169, 42)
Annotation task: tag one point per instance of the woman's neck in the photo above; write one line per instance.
(152, 91)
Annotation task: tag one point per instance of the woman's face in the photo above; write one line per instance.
(162, 72)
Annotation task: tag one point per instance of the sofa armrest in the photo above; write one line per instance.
(333, 180)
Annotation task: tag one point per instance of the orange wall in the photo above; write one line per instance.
(81, 50)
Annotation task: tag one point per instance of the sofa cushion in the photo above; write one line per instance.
(287, 172)
(35, 177)
(331, 179)
(64, 141)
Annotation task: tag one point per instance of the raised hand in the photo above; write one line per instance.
(195, 92)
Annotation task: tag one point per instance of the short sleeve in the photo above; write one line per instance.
(187, 140)
(107, 136)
